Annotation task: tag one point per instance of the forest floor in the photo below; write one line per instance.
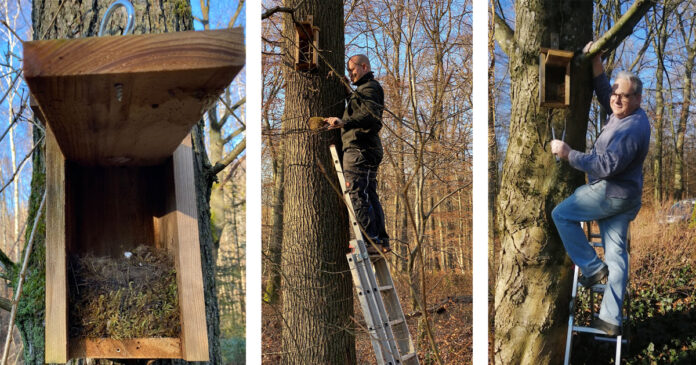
(662, 287)
(449, 294)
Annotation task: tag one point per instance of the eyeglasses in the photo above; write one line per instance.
(624, 97)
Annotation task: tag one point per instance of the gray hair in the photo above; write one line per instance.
(636, 84)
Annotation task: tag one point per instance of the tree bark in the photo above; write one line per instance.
(317, 290)
(73, 19)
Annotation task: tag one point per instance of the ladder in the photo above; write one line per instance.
(379, 301)
(597, 288)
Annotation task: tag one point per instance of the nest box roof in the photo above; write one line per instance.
(129, 100)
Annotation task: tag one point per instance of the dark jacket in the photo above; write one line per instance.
(363, 118)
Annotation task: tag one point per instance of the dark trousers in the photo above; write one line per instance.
(360, 171)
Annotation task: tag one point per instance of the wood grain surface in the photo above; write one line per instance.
(129, 100)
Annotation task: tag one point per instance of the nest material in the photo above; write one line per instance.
(124, 298)
(316, 123)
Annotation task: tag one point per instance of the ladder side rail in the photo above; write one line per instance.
(387, 313)
(346, 198)
(384, 279)
(365, 304)
(571, 317)
(372, 300)
(617, 359)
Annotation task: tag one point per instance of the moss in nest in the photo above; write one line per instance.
(316, 123)
(123, 298)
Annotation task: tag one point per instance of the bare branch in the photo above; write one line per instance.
(236, 14)
(231, 109)
(278, 9)
(504, 35)
(7, 264)
(11, 87)
(2, 21)
(220, 165)
(622, 29)
(19, 168)
(20, 280)
(232, 135)
(5, 304)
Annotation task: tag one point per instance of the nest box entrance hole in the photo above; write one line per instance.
(554, 78)
(306, 45)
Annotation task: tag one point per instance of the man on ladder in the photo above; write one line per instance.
(612, 197)
(362, 150)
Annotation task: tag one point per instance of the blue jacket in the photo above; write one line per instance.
(620, 150)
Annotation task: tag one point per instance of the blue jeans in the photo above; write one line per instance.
(589, 202)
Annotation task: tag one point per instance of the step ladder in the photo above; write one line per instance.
(379, 302)
(595, 240)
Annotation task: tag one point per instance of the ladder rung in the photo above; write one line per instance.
(408, 356)
(610, 339)
(597, 288)
(396, 322)
(588, 330)
(386, 288)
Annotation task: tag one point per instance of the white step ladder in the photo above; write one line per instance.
(597, 288)
(379, 302)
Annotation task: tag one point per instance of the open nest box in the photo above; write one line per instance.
(306, 45)
(119, 166)
(554, 78)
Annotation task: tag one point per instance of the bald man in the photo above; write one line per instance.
(612, 197)
(362, 150)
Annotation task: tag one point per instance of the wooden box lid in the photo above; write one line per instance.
(129, 100)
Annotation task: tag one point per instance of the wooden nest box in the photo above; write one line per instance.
(554, 78)
(306, 45)
(119, 166)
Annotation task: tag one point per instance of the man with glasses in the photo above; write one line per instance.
(362, 150)
(612, 197)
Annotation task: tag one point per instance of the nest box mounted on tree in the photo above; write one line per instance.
(306, 45)
(554, 78)
(119, 167)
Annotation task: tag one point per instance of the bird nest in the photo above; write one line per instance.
(133, 296)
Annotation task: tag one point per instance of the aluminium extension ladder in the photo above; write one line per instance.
(597, 288)
(379, 302)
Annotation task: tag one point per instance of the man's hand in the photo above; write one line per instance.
(334, 122)
(560, 149)
(597, 67)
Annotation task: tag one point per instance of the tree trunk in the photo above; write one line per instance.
(71, 19)
(275, 243)
(659, 44)
(686, 103)
(533, 278)
(317, 291)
